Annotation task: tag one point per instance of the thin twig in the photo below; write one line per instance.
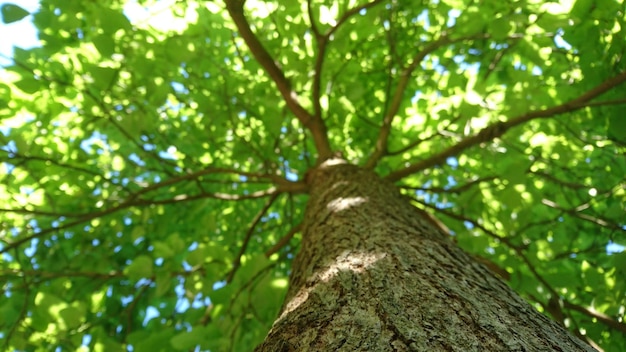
(284, 240)
(246, 239)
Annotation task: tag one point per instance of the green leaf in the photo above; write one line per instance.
(617, 127)
(501, 27)
(163, 283)
(145, 341)
(619, 261)
(511, 198)
(12, 13)
(28, 85)
(8, 312)
(5, 95)
(177, 50)
(217, 252)
(72, 316)
(105, 45)
(141, 267)
(189, 339)
(615, 210)
(163, 250)
(252, 266)
(196, 257)
(138, 232)
(582, 8)
(565, 276)
(273, 124)
(103, 76)
(113, 20)
(516, 171)
(176, 243)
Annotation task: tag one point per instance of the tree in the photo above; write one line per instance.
(158, 158)
(373, 275)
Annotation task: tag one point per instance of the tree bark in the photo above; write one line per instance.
(373, 274)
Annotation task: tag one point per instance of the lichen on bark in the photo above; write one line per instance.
(373, 274)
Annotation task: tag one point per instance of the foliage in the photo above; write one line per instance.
(152, 156)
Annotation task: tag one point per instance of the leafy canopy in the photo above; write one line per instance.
(152, 156)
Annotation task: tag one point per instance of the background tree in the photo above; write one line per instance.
(153, 156)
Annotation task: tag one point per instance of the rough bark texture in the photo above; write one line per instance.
(374, 275)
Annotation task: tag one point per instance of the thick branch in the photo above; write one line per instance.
(321, 40)
(499, 128)
(314, 125)
(317, 76)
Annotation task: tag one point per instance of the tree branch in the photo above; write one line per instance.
(23, 310)
(315, 125)
(134, 200)
(284, 240)
(322, 42)
(499, 128)
(15, 155)
(40, 212)
(282, 183)
(380, 147)
(453, 190)
(353, 11)
(605, 319)
(577, 214)
(590, 312)
(282, 186)
(246, 239)
(317, 76)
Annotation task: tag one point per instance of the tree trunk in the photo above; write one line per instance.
(373, 274)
